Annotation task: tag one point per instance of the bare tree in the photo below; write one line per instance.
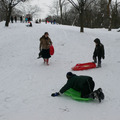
(56, 4)
(61, 4)
(29, 9)
(59, 9)
(54, 9)
(80, 7)
(2, 13)
(7, 7)
(95, 14)
(100, 14)
(115, 14)
(109, 15)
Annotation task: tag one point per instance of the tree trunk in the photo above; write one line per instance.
(8, 15)
(61, 17)
(109, 15)
(7, 21)
(81, 12)
(81, 23)
(110, 23)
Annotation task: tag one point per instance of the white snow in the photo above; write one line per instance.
(26, 83)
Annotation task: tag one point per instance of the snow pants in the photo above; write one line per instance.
(87, 88)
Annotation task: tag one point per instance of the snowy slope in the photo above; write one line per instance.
(26, 83)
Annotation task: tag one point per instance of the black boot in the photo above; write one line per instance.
(98, 94)
(99, 63)
(92, 95)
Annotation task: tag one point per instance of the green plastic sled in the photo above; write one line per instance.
(76, 95)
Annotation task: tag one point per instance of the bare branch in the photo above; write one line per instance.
(73, 3)
(89, 4)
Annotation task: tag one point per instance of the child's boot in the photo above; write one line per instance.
(47, 61)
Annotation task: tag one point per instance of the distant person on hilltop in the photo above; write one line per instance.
(36, 21)
(29, 19)
(30, 24)
(15, 19)
(51, 21)
(11, 19)
(46, 21)
(54, 21)
(39, 20)
(45, 43)
(21, 19)
(26, 19)
(98, 52)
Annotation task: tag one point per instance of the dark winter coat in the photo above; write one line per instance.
(99, 51)
(83, 84)
(30, 24)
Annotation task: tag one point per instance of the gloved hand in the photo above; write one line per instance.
(55, 94)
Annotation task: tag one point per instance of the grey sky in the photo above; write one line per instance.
(43, 4)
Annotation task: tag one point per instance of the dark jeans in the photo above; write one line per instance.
(99, 60)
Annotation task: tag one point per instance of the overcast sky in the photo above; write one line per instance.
(44, 6)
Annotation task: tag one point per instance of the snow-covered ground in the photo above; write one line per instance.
(26, 83)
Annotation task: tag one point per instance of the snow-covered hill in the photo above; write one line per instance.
(26, 83)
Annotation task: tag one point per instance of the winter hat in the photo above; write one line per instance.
(97, 40)
(46, 33)
(69, 74)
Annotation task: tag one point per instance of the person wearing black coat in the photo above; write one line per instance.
(99, 52)
(30, 24)
(21, 19)
(83, 84)
(15, 19)
(11, 19)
